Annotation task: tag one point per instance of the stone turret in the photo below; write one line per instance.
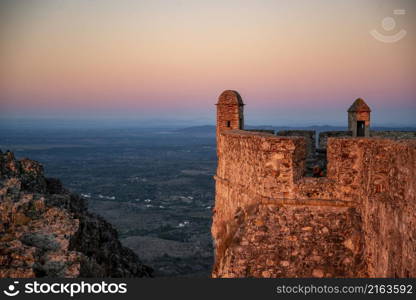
(230, 111)
(359, 118)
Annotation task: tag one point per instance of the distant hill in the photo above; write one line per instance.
(205, 130)
(197, 129)
(209, 130)
(393, 128)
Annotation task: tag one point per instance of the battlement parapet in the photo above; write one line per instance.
(261, 160)
(324, 135)
(358, 221)
(309, 135)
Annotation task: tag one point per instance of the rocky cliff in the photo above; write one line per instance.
(47, 231)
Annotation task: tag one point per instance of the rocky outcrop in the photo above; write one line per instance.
(47, 231)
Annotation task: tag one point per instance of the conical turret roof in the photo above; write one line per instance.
(359, 105)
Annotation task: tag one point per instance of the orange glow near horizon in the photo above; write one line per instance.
(177, 56)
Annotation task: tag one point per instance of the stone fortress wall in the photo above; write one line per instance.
(272, 221)
(389, 134)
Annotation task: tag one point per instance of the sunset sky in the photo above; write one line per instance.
(294, 62)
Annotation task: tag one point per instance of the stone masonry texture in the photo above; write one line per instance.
(272, 221)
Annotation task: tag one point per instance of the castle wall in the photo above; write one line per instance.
(388, 207)
(323, 137)
(309, 136)
(260, 162)
(378, 177)
(252, 166)
(373, 178)
(345, 167)
(272, 240)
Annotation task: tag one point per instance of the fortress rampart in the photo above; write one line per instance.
(272, 221)
(389, 134)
